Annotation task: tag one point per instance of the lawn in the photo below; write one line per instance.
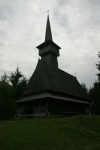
(51, 134)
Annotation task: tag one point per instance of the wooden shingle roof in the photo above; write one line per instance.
(44, 79)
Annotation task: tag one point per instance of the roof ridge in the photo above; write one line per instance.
(38, 80)
(48, 34)
(45, 72)
(67, 73)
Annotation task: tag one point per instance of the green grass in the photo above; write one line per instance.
(50, 134)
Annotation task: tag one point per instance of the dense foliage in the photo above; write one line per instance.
(94, 94)
(7, 107)
(18, 82)
(11, 89)
(98, 67)
(84, 87)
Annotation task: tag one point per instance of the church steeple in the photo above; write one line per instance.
(48, 50)
(48, 35)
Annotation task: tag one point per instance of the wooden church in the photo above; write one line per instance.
(51, 91)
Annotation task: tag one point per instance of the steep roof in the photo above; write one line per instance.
(44, 79)
(38, 81)
(48, 35)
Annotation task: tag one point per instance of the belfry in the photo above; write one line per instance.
(51, 91)
(49, 51)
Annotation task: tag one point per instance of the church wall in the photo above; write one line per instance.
(34, 108)
(58, 106)
(51, 106)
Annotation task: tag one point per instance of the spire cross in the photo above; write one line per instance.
(48, 12)
(48, 35)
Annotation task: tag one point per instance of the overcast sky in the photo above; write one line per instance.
(75, 26)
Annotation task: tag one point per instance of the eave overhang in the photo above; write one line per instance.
(49, 95)
(44, 44)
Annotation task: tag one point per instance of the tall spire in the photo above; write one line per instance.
(48, 35)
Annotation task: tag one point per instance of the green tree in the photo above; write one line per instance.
(9, 93)
(5, 78)
(84, 87)
(98, 67)
(94, 93)
(19, 82)
(15, 77)
(21, 87)
(7, 107)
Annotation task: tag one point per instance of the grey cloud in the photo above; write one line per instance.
(94, 19)
(6, 12)
(93, 4)
(56, 13)
(1, 54)
(2, 71)
(64, 21)
(63, 2)
(1, 44)
(2, 14)
(3, 33)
